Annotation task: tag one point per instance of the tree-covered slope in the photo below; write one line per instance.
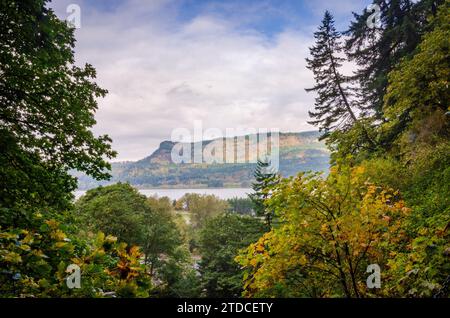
(297, 152)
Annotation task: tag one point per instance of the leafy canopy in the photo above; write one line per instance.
(47, 106)
(330, 230)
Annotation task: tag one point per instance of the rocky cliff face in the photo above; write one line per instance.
(160, 155)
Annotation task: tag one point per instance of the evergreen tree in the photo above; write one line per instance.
(333, 106)
(264, 181)
(377, 49)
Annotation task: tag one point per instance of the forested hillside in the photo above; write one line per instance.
(297, 152)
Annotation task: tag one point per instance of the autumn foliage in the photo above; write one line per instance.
(331, 230)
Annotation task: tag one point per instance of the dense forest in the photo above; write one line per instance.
(383, 204)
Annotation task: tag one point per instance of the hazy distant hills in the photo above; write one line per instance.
(297, 152)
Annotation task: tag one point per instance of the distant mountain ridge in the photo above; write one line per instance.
(297, 152)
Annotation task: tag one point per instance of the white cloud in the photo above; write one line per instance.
(162, 74)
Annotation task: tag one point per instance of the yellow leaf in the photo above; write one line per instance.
(25, 247)
(60, 244)
(53, 224)
(12, 257)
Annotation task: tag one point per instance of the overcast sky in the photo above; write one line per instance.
(230, 64)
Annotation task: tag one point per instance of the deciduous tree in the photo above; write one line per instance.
(330, 230)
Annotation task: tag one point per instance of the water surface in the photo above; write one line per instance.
(175, 194)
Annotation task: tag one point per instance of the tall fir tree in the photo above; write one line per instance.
(265, 179)
(377, 48)
(333, 105)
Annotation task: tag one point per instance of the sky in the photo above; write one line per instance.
(170, 63)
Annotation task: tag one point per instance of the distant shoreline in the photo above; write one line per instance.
(175, 194)
(172, 188)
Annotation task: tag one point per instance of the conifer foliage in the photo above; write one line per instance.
(333, 105)
(376, 49)
(265, 179)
